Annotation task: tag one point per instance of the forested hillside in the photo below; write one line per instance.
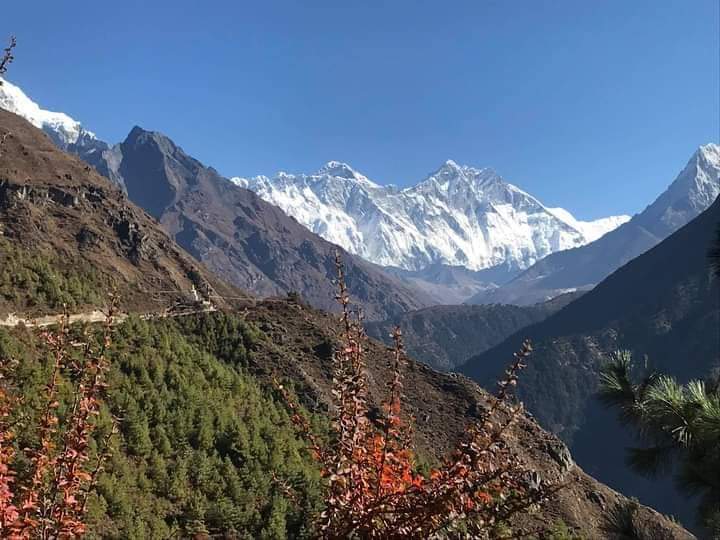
(198, 436)
(445, 337)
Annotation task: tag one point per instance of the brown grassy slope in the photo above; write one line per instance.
(56, 211)
(300, 347)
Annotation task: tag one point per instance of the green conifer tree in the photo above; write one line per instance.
(679, 426)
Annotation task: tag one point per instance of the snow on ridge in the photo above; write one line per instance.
(591, 229)
(711, 152)
(458, 215)
(68, 130)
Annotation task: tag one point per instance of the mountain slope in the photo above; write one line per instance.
(67, 133)
(63, 224)
(662, 306)
(695, 189)
(457, 216)
(443, 404)
(242, 238)
(200, 431)
(444, 337)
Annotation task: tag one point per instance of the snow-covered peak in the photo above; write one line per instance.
(458, 215)
(337, 168)
(64, 130)
(448, 169)
(591, 229)
(335, 177)
(451, 171)
(457, 181)
(711, 153)
(695, 188)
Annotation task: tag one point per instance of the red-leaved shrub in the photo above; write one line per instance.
(373, 489)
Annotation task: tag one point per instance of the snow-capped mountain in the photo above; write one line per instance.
(64, 130)
(591, 229)
(67, 133)
(459, 216)
(692, 192)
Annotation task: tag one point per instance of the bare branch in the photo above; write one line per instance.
(8, 56)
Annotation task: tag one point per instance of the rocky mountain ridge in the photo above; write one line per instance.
(62, 226)
(244, 239)
(694, 189)
(457, 216)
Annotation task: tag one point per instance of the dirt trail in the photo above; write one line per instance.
(96, 316)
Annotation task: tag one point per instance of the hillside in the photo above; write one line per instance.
(201, 431)
(444, 337)
(662, 306)
(201, 428)
(442, 405)
(240, 237)
(693, 191)
(68, 236)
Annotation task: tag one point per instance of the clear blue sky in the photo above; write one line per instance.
(590, 105)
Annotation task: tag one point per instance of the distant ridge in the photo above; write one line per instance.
(457, 216)
(242, 238)
(695, 189)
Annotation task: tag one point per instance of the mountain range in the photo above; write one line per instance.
(66, 228)
(242, 238)
(457, 216)
(460, 235)
(196, 391)
(694, 189)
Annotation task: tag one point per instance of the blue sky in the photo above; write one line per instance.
(590, 105)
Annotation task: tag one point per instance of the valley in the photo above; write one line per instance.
(192, 350)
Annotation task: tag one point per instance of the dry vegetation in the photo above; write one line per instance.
(49, 500)
(373, 486)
